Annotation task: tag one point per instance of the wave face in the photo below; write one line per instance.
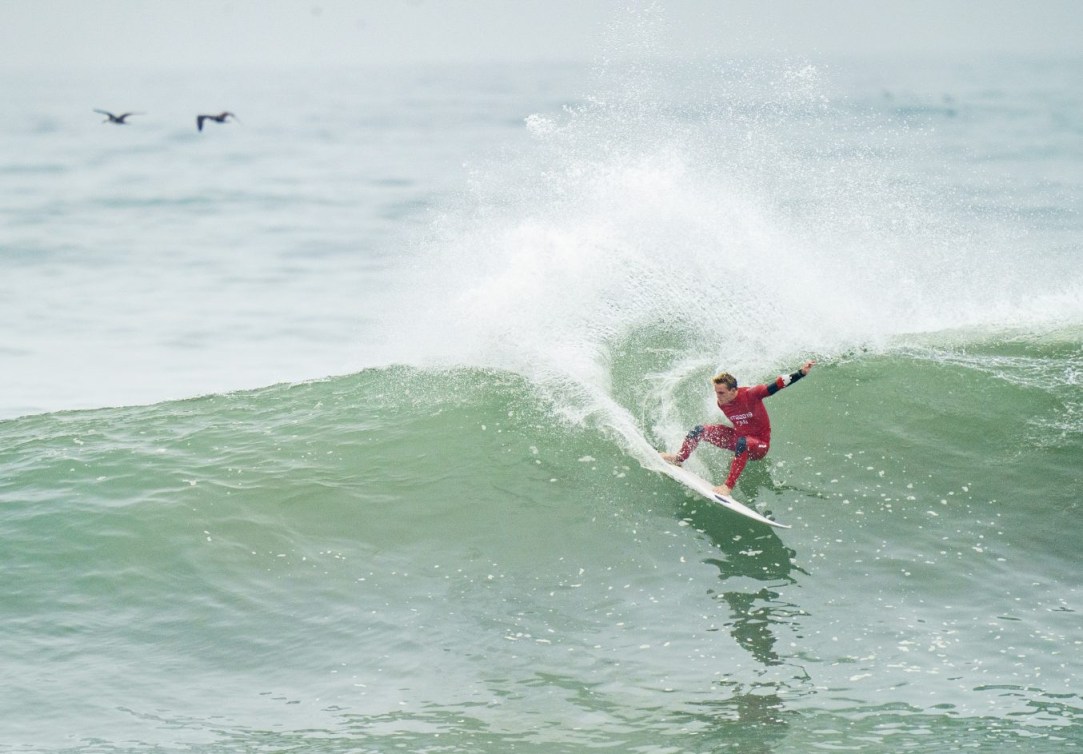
(440, 558)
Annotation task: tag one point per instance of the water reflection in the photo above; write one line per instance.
(755, 568)
(754, 563)
(749, 719)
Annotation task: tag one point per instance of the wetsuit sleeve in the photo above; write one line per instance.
(782, 381)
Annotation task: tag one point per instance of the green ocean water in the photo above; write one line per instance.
(359, 460)
(444, 560)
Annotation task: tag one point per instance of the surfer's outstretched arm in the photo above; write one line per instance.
(786, 380)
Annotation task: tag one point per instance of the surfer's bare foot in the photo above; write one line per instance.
(670, 458)
(723, 490)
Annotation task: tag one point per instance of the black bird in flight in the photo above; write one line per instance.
(118, 119)
(220, 118)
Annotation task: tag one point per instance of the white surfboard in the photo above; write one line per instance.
(703, 487)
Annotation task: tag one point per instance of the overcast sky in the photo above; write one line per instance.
(226, 33)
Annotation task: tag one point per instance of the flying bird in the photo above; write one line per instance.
(220, 118)
(118, 119)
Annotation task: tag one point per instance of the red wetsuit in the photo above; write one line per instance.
(750, 435)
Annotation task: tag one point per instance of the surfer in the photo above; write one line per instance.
(750, 435)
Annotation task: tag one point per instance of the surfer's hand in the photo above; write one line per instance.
(807, 366)
(723, 490)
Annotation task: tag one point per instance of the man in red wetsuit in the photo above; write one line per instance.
(750, 435)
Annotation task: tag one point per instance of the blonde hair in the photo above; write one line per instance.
(725, 378)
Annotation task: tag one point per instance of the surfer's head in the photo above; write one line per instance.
(725, 387)
(725, 378)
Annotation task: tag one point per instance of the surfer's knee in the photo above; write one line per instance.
(741, 446)
(696, 432)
